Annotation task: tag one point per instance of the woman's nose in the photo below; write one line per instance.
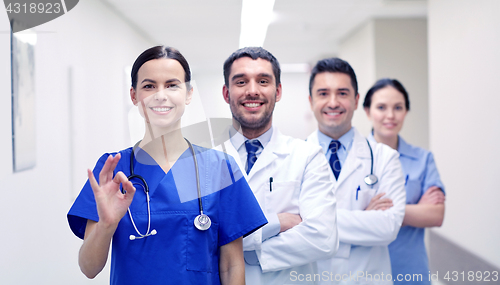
(390, 113)
(161, 95)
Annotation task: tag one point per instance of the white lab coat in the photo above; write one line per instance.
(365, 235)
(302, 184)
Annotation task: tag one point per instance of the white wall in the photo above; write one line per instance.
(401, 53)
(464, 65)
(395, 48)
(37, 246)
(210, 89)
(293, 115)
(359, 50)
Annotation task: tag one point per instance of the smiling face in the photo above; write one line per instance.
(161, 94)
(333, 101)
(387, 112)
(252, 94)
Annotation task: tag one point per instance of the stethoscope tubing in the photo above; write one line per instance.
(197, 176)
(204, 225)
(370, 179)
(371, 155)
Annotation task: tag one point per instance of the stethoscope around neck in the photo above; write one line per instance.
(370, 179)
(202, 222)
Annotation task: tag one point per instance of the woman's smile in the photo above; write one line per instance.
(161, 110)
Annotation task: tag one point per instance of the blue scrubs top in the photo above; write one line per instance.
(179, 253)
(407, 252)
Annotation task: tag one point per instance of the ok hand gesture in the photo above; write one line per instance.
(112, 204)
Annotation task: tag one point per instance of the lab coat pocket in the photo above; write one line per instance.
(201, 248)
(283, 197)
(363, 197)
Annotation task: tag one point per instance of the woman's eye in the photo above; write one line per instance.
(381, 107)
(399, 108)
(148, 86)
(173, 86)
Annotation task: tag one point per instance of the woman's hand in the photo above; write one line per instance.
(432, 196)
(112, 204)
(377, 203)
(111, 207)
(428, 212)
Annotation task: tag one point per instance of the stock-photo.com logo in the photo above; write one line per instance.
(28, 14)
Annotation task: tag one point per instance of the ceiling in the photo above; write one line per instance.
(207, 32)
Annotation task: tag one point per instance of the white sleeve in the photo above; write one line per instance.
(316, 236)
(377, 228)
(272, 227)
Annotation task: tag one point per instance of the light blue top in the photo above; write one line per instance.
(407, 252)
(345, 141)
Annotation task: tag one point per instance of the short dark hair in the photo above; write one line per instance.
(160, 52)
(253, 53)
(382, 83)
(333, 64)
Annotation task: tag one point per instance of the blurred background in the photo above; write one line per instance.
(445, 52)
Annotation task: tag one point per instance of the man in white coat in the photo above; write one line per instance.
(368, 216)
(290, 178)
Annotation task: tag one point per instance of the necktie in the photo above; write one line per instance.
(334, 158)
(252, 147)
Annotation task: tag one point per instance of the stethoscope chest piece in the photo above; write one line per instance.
(202, 222)
(371, 179)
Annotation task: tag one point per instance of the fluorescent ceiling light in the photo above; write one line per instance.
(255, 18)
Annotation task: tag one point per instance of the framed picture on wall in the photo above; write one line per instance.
(23, 99)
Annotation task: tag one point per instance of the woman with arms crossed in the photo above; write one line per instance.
(155, 232)
(386, 105)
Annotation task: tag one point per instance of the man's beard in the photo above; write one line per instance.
(253, 125)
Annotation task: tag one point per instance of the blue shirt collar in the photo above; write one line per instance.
(345, 140)
(403, 147)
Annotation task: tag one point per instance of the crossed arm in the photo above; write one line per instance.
(311, 234)
(428, 212)
(377, 228)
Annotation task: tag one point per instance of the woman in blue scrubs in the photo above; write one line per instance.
(386, 105)
(152, 233)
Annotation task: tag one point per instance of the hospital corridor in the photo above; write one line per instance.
(70, 98)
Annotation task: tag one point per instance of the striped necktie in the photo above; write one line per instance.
(334, 158)
(252, 147)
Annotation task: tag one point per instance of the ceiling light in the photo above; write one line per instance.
(255, 18)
